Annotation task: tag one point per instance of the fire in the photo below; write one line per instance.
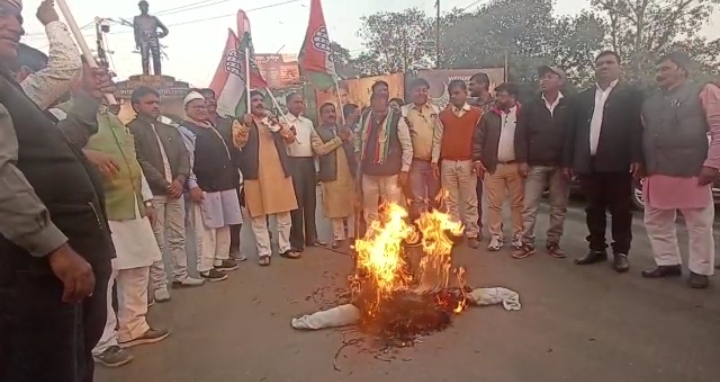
(392, 298)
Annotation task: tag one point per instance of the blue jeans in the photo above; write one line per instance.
(424, 185)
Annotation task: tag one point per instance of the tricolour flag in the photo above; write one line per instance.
(229, 82)
(316, 56)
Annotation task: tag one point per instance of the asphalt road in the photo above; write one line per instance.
(585, 324)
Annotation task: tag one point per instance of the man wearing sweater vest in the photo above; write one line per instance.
(681, 166)
(494, 152)
(385, 153)
(541, 134)
(130, 213)
(453, 150)
(423, 123)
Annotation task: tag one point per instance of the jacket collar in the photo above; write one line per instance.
(497, 110)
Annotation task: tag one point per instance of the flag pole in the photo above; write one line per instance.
(247, 80)
(84, 48)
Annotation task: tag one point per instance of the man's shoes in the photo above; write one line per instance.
(697, 281)
(517, 243)
(663, 271)
(316, 243)
(238, 256)
(525, 251)
(337, 244)
(473, 242)
(226, 265)
(150, 337)
(114, 356)
(213, 275)
(495, 245)
(161, 294)
(592, 257)
(621, 264)
(187, 282)
(554, 250)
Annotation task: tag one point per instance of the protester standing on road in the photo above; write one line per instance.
(224, 126)
(166, 164)
(540, 136)
(494, 151)
(422, 119)
(384, 151)
(603, 148)
(334, 147)
(302, 167)
(213, 190)
(55, 246)
(479, 87)
(130, 213)
(452, 159)
(268, 183)
(681, 166)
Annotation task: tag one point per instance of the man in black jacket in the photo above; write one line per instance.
(55, 246)
(166, 166)
(540, 135)
(603, 148)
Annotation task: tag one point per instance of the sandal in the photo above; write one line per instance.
(291, 254)
(264, 261)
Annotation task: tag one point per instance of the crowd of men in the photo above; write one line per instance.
(89, 205)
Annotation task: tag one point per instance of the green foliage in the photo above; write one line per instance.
(525, 34)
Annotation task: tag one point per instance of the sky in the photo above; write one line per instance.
(198, 29)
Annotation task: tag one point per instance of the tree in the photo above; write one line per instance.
(577, 41)
(343, 61)
(398, 41)
(642, 30)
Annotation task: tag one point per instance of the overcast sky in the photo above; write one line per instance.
(198, 29)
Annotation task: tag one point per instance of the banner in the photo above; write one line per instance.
(440, 78)
(279, 70)
(358, 91)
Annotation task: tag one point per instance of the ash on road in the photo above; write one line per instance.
(577, 324)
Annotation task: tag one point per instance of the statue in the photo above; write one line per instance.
(147, 38)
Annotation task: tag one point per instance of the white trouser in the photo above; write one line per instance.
(170, 225)
(460, 180)
(212, 245)
(660, 227)
(262, 233)
(338, 226)
(130, 321)
(377, 189)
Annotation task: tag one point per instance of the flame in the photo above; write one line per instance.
(383, 264)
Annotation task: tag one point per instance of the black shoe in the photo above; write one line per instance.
(662, 271)
(592, 257)
(697, 281)
(316, 243)
(621, 263)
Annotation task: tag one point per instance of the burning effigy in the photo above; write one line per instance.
(404, 285)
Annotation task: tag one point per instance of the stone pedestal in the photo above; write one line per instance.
(171, 92)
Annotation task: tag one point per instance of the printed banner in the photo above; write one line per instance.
(358, 91)
(279, 70)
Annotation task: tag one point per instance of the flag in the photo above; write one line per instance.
(316, 56)
(229, 82)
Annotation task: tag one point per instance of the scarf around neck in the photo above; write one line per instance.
(385, 131)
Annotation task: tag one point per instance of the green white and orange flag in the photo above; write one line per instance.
(316, 56)
(230, 82)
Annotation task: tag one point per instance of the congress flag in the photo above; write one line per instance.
(316, 56)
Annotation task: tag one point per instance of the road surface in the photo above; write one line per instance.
(586, 324)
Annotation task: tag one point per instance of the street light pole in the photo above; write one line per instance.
(437, 32)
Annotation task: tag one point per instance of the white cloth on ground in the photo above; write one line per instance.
(349, 314)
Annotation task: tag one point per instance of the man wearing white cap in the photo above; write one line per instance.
(541, 135)
(212, 189)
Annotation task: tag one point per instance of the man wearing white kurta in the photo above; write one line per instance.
(128, 205)
(212, 189)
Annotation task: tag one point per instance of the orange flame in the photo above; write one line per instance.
(381, 253)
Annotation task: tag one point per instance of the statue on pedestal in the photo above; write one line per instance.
(147, 38)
